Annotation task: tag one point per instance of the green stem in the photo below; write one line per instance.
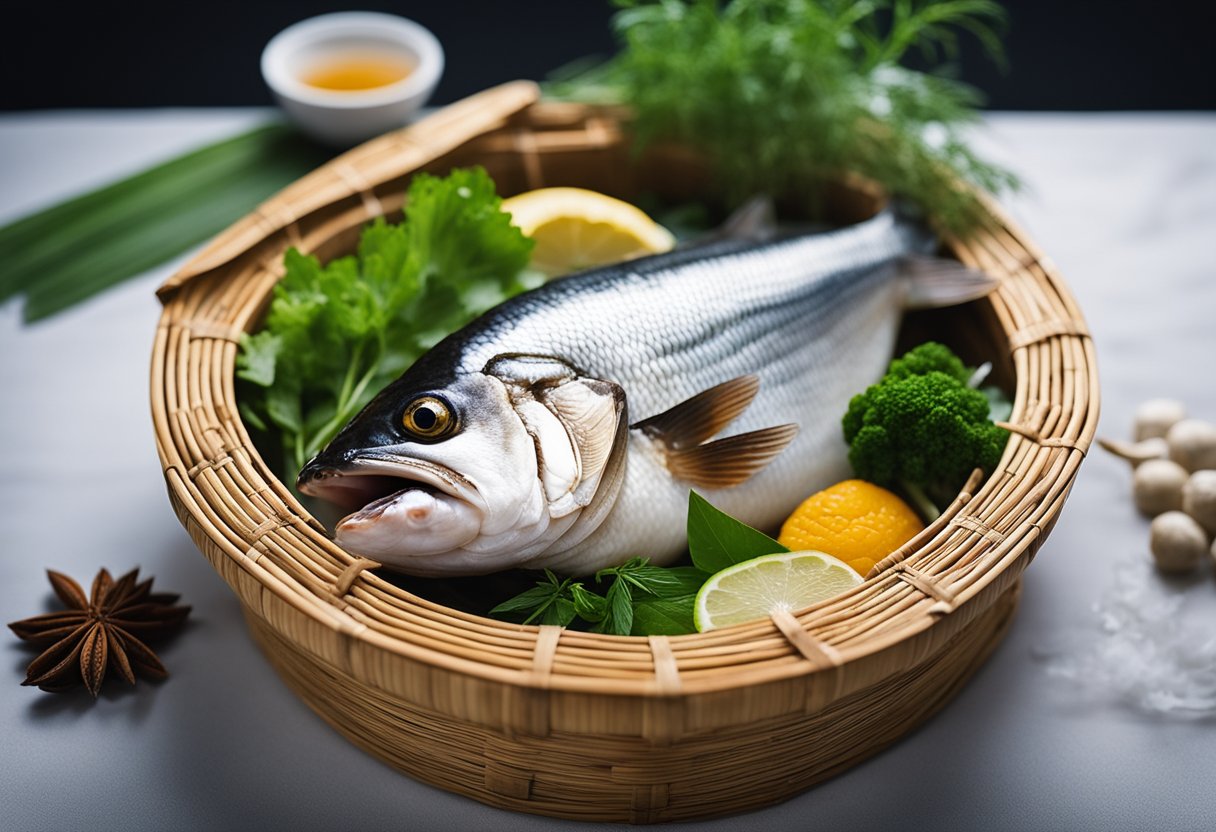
(348, 399)
(297, 450)
(349, 381)
(357, 395)
(927, 509)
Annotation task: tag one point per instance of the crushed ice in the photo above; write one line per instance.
(1152, 646)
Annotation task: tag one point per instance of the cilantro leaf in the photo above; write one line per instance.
(259, 353)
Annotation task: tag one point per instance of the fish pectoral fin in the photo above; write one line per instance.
(930, 282)
(728, 462)
(695, 420)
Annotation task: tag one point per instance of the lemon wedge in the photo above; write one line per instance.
(577, 229)
(755, 588)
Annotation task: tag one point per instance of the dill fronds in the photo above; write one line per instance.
(785, 95)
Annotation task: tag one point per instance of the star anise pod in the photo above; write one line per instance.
(105, 629)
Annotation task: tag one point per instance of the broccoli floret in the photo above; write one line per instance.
(929, 357)
(922, 429)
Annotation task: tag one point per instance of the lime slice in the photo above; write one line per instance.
(753, 589)
(577, 229)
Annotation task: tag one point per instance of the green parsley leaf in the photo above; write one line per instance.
(337, 333)
(716, 540)
(258, 356)
(252, 417)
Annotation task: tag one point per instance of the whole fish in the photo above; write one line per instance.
(565, 427)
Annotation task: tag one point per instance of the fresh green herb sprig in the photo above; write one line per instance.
(336, 334)
(551, 601)
(639, 598)
(786, 95)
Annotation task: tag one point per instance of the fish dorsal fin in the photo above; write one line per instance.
(754, 221)
(695, 420)
(730, 461)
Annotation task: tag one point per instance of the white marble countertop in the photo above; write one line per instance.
(1125, 205)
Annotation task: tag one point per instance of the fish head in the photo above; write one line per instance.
(475, 472)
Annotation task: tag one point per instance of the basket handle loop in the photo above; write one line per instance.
(819, 653)
(925, 583)
(666, 671)
(346, 579)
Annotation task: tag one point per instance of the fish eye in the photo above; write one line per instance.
(428, 417)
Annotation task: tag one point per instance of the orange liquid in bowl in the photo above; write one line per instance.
(355, 73)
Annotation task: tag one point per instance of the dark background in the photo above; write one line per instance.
(1063, 54)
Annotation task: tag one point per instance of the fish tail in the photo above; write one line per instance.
(929, 282)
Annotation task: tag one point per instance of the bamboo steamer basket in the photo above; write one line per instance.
(580, 725)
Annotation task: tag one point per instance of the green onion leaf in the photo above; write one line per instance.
(71, 251)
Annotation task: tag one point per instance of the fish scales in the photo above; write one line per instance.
(686, 319)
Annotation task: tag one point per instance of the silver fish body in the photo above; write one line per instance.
(549, 461)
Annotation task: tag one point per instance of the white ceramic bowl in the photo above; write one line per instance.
(346, 117)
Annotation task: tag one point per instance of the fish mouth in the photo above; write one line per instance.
(368, 484)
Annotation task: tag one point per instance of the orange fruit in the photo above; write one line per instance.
(856, 521)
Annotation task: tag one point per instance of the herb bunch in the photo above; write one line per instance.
(639, 598)
(336, 334)
(785, 95)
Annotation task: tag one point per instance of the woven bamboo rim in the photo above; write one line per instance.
(570, 723)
